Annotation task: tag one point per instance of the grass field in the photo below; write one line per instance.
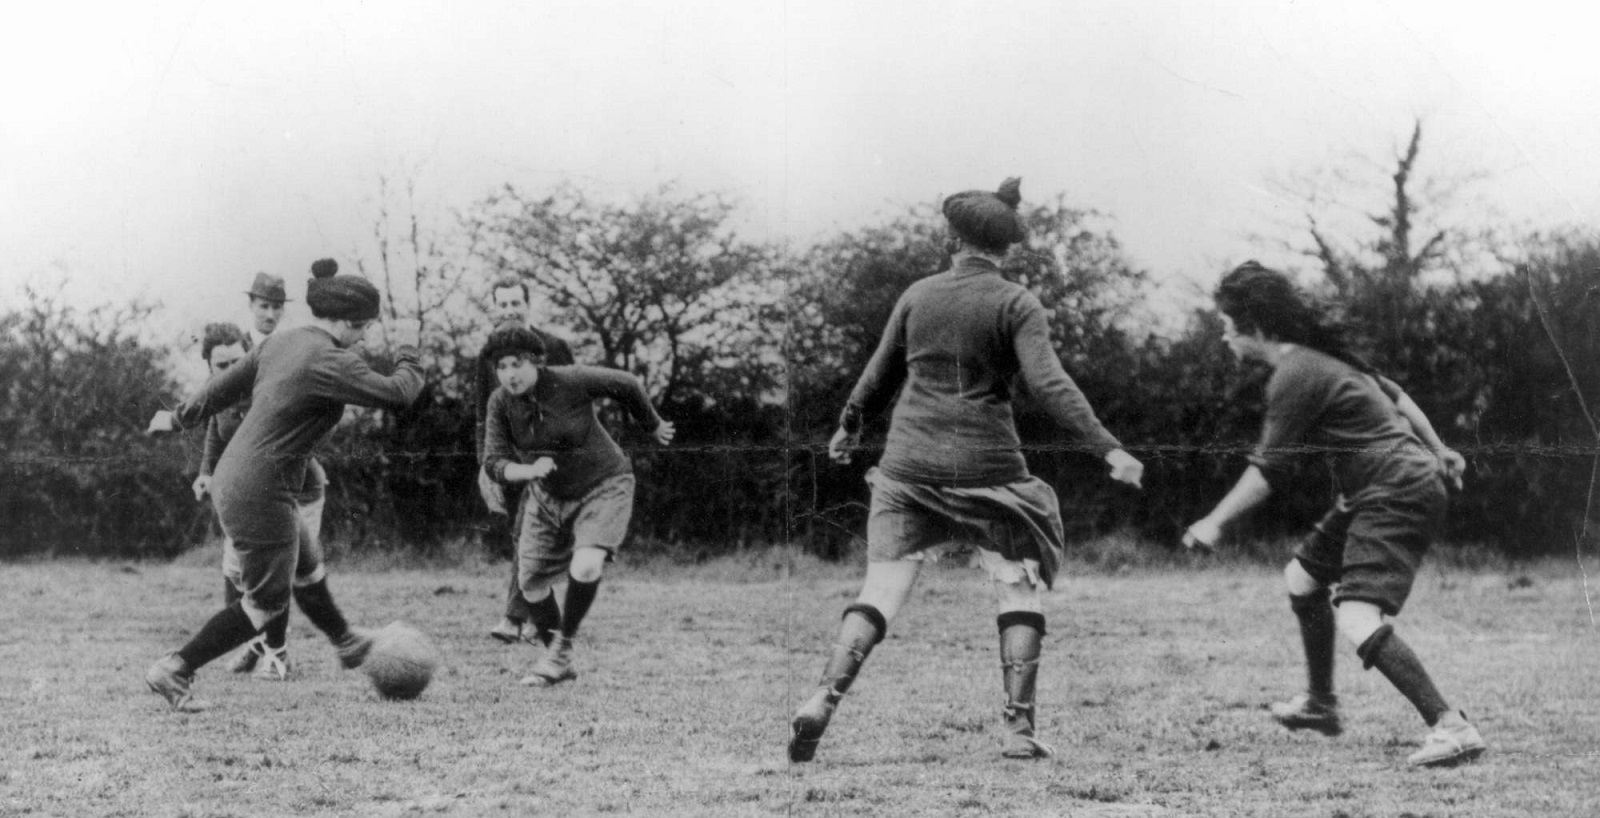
(1152, 691)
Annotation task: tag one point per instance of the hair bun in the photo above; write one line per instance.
(324, 268)
(1010, 192)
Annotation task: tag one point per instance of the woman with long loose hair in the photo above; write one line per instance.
(1356, 571)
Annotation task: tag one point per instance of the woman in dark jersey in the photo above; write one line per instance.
(299, 382)
(1324, 399)
(576, 485)
(952, 469)
(222, 346)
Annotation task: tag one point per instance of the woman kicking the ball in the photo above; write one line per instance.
(1323, 398)
(299, 381)
(952, 469)
(541, 430)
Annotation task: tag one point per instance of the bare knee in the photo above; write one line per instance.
(887, 585)
(1018, 596)
(1299, 581)
(588, 563)
(1358, 620)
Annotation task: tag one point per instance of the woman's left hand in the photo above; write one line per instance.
(1454, 466)
(665, 432)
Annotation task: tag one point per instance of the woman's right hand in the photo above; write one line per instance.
(1125, 468)
(1202, 536)
(523, 472)
(842, 444)
(161, 421)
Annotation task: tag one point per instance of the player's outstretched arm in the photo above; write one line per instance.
(351, 380)
(1251, 490)
(1055, 391)
(222, 390)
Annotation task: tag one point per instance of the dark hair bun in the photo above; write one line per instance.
(324, 268)
(1010, 192)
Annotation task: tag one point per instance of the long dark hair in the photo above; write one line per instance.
(1258, 298)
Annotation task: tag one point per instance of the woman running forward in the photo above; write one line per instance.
(952, 468)
(572, 517)
(1323, 398)
(299, 382)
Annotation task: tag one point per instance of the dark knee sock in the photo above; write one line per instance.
(545, 615)
(317, 603)
(1387, 652)
(227, 629)
(580, 595)
(276, 632)
(1318, 634)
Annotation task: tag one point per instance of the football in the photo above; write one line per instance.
(401, 662)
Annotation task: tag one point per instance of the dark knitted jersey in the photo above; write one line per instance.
(1323, 408)
(219, 430)
(298, 382)
(954, 345)
(556, 419)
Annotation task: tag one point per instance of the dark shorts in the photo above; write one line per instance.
(273, 533)
(549, 529)
(1372, 550)
(1020, 521)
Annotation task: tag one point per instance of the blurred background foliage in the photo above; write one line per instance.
(752, 350)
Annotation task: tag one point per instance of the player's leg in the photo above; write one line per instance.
(246, 659)
(864, 624)
(898, 531)
(544, 554)
(316, 601)
(599, 525)
(510, 627)
(308, 571)
(1020, 617)
(1308, 575)
(266, 567)
(1385, 548)
(273, 644)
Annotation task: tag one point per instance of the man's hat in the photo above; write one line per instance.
(268, 288)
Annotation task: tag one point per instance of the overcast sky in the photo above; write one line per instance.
(170, 150)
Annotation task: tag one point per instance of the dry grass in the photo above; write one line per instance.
(1152, 690)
